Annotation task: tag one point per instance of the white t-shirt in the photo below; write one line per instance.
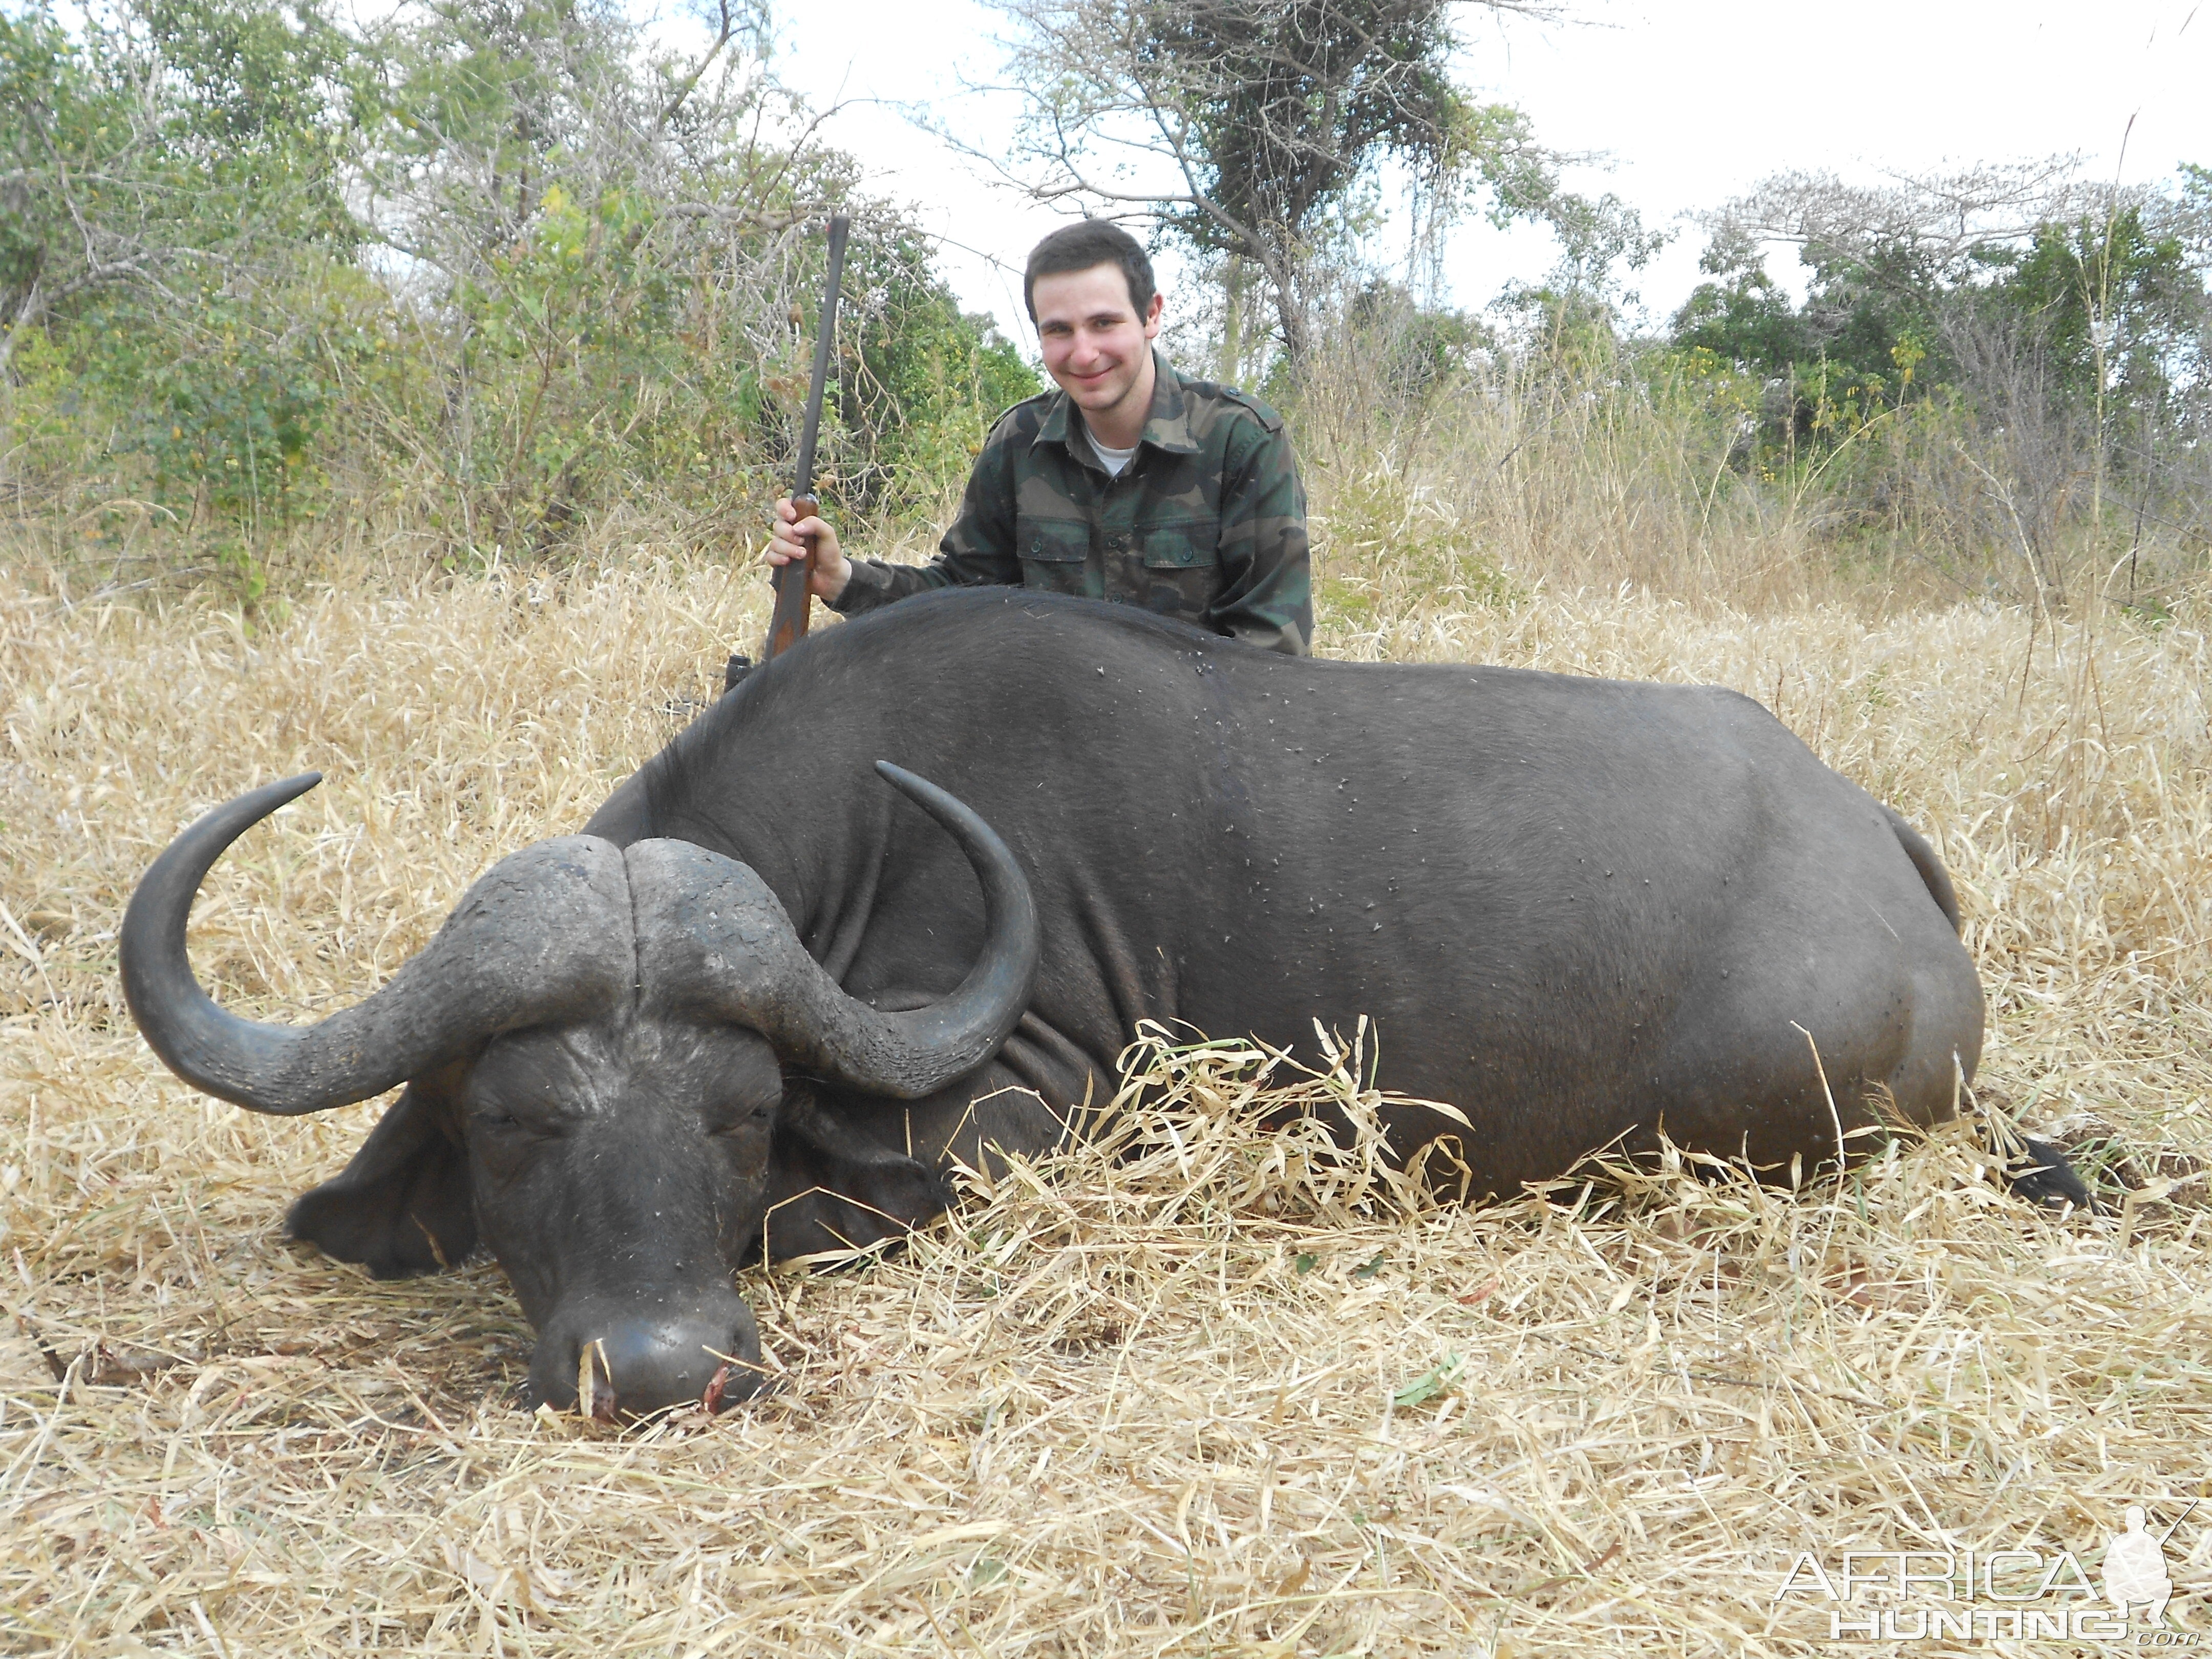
(1112, 459)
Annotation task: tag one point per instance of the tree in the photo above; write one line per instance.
(177, 143)
(1571, 320)
(618, 251)
(2013, 344)
(1925, 283)
(500, 250)
(1742, 316)
(1257, 131)
(2114, 303)
(172, 206)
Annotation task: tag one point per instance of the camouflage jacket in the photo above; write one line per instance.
(1207, 522)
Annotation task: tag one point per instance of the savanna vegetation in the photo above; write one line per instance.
(509, 282)
(465, 286)
(394, 403)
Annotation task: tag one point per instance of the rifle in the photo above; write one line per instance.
(787, 626)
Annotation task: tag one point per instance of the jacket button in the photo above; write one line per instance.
(1113, 542)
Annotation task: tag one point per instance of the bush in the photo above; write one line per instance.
(495, 268)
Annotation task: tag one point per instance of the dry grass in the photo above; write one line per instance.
(1226, 1395)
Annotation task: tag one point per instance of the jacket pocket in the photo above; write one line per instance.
(1182, 571)
(1055, 553)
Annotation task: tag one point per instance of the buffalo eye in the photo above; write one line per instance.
(742, 1119)
(499, 1121)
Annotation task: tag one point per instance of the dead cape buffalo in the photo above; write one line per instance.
(762, 998)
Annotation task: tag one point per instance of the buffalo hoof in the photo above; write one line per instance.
(2042, 1176)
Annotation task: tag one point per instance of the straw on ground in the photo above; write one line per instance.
(1220, 1396)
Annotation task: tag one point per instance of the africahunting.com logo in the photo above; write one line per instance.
(2017, 1595)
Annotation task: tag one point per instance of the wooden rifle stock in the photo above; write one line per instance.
(793, 604)
(786, 623)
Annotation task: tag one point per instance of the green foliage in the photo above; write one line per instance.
(2105, 313)
(1859, 346)
(1410, 354)
(174, 140)
(1571, 320)
(2033, 384)
(45, 103)
(922, 386)
(2113, 305)
(175, 209)
(249, 261)
(1742, 317)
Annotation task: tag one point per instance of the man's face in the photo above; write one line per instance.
(1095, 344)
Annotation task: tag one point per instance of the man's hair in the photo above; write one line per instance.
(1083, 246)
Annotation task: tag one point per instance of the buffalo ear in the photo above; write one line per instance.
(835, 1186)
(402, 1207)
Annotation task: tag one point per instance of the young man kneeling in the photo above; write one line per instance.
(1130, 483)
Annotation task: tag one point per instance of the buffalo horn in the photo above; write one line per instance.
(544, 934)
(713, 938)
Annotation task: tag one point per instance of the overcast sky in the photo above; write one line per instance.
(1690, 102)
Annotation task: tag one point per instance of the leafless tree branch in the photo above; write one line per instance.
(1940, 216)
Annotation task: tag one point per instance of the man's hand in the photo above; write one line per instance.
(788, 542)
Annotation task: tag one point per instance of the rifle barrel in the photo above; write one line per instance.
(793, 606)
